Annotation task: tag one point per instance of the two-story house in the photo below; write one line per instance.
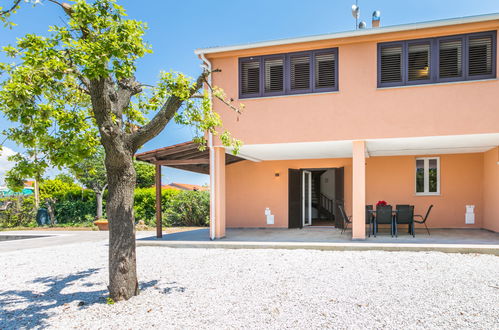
(406, 114)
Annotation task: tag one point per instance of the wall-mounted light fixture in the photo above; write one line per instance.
(277, 174)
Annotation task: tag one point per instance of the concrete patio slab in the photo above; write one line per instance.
(444, 240)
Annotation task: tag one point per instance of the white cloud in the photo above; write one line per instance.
(5, 165)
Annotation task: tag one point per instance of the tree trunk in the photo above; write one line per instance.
(123, 283)
(98, 198)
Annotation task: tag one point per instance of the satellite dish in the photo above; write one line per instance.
(355, 11)
(362, 25)
(376, 15)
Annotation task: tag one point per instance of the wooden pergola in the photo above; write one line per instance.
(185, 156)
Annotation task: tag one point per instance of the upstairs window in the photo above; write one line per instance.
(435, 60)
(418, 62)
(250, 77)
(450, 59)
(391, 64)
(300, 72)
(274, 75)
(325, 70)
(480, 56)
(293, 73)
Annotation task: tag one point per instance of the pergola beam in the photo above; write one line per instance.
(196, 161)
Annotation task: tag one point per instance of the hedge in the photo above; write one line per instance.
(77, 206)
(179, 208)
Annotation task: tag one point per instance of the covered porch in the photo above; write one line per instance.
(244, 187)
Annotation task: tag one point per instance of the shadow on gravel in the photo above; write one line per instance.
(29, 309)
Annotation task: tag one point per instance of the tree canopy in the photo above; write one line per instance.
(75, 89)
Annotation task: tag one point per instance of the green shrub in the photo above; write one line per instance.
(188, 208)
(180, 208)
(145, 203)
(20, 213)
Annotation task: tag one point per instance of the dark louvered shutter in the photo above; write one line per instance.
(391, 64)
(250, 77)
(480, 56)
(418, 62)
(300, 72)
(325, 67)
(274, 75)
(450, 59)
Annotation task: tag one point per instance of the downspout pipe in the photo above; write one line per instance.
(207, 65)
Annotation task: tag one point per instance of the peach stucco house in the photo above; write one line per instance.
(407, 114)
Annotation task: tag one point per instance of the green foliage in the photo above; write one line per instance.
(57, 189)
(91, 171)
(65, 177)
(20, 213)
(146, 174)
(188, 208)
(145, 203)
(72, 204)
(180, 208)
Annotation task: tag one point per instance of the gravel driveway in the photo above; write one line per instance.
(229, 289)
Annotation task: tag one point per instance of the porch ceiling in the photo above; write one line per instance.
(184, 156)
(429, 145)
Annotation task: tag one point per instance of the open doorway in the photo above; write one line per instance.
(314, 195)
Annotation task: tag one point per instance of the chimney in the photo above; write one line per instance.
(376, 22)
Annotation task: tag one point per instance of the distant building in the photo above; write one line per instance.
(185, 186)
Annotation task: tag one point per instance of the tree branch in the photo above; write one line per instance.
(11, 9)
(163, 117)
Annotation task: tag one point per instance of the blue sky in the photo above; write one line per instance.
(176, 28)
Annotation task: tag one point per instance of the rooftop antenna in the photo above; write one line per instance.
(356, 13)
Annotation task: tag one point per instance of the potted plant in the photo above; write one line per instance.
(102, 224)
(381, 203)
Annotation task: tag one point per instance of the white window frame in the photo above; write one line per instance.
(426, 167)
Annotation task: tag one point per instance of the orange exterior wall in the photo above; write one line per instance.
(491, 190)
(359, 110)
(251, 187)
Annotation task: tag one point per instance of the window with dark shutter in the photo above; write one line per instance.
(480, 56)
(274, 75)
(418, 62)
(300, 72)
(450, 56)
(391, 64)
(250, 77)
(437, 60)
(325, 67)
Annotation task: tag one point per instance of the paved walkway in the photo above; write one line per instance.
(445, 240)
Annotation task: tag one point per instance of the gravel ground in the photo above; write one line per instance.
(229, 289)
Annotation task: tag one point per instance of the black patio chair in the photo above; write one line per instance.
(346, 219)
(370, 218)
(423, 220)
(405, 215)
(384, 216)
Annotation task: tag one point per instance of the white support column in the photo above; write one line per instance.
(217, 192)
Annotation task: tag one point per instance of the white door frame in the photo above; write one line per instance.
(304, 191)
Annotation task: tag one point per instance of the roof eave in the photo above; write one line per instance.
(349, 34)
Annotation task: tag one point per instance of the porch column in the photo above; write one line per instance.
(359, 190)
(217, 190)
(159, 229)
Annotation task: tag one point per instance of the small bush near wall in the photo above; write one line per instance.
(189, 208)
(21, 212)
(180, 208)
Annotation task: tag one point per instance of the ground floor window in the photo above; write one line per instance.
(428, 176)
